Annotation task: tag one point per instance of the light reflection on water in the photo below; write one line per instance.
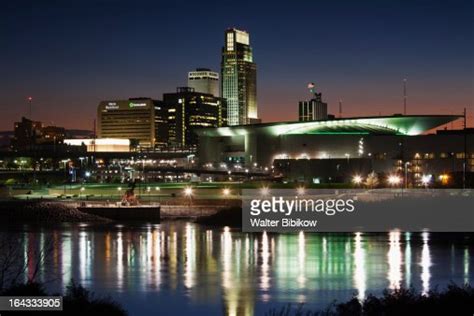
(425, 264)
(241, 274)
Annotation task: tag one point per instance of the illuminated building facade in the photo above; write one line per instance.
(187, 110)
(239, 78)
(337, 147)
(101, 144)
(135, 119)
(313, 110)
(204, 80)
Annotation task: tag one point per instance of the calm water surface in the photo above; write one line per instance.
(181, 267)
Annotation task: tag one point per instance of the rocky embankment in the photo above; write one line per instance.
(43, 211)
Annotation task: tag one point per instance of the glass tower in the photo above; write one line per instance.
(239, 78)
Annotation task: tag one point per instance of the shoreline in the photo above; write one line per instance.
(44, 211)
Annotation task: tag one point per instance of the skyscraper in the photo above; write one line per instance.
(187, 110)
(239, 78)
(204, 80)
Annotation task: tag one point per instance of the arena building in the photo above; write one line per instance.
(327, 149)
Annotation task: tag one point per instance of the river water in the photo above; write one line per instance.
(180, 267)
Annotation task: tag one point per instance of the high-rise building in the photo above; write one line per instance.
(136, 119)
(239, 78)
(204, 80)
(187, 110)
(313, 110)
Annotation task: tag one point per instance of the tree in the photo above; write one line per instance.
(372, 180)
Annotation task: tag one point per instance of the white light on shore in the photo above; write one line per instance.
(301, 190)
(188, 191)
(426, 179)
(357, 179)
(394, 180)
(264, 191)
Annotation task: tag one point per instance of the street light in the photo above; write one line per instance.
(444, 178)
(357, 179)
(226, 192)
(264, 191)
(406, 174)
(348, 156)
(394, 180)
(301, 190)
(188, 191)
(426, 179)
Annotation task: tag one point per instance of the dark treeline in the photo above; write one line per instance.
(454, 300)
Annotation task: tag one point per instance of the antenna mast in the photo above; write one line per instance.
(30, 108)
(94, 136)
(405, 96)
(464, 164)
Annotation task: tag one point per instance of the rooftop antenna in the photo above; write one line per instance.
(340, 108)
(312, 88)
(405, 96)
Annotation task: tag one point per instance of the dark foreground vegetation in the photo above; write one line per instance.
(76, 301)
(15, 268)
(455, 300)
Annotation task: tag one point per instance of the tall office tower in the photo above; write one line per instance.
(313, 110)
(136, 119)
(188, 110)
(204, 80)
(239, 78)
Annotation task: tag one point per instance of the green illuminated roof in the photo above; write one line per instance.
(390, 125)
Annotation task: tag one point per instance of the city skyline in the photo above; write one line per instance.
(67, 61)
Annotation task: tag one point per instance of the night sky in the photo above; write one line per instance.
(69, 55)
